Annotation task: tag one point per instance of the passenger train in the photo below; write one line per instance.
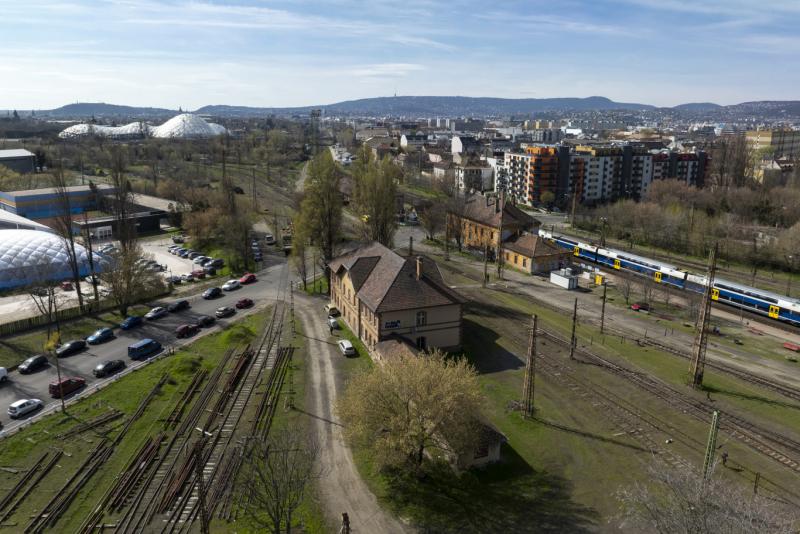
(771, 305)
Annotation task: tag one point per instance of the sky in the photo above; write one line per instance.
(306, 52)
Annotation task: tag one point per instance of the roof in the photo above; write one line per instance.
(16, 153)
(12, 220)
(157, 203)
(52, 190)
(532, 246)
(395, 348)
(483, 209)
(386, 281)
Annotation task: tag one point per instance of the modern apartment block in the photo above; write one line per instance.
(785, 143)
(594, 173)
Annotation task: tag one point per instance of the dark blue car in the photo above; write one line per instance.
(104, 334)
(131, 322)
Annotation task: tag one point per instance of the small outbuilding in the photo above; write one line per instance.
(534, 254)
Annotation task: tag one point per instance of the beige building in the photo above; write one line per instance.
(532, 254)
(381, 294)
(784, 143)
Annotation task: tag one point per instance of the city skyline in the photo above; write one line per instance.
(281, 54)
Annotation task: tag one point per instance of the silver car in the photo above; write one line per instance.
(24, 406)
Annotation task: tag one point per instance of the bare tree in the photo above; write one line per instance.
(456, 208)
(62, 224)
(647, 289)
(625, 286)
(432, 217)
(275, 476)
(44, 295)
(680, 500)
(128, 278)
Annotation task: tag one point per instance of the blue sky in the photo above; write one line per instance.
(303, 52)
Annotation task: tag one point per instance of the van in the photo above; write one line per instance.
(143, 349)
(3, 374)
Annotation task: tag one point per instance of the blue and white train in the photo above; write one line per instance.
(771, 305)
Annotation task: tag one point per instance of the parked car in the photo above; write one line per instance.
(131, 322)
(3, 374)
(155, 313)
(206, 261)
(254, 243)
(209, 270)
(143, 349)
(204, 321)
(101, 335)
(32, 364)
(178, 239)
(248, 278)
(231, 285)
(212, 293)
(346, 347)
(108, 367)
(333, 322)
(225, 311)
(193, 255)
(66, 386)
(269, 239)
(66, 285)
(186, 330)
(258, 257)
(71, 347)
(244, 303)
(23, 407)
(640, 306)
(200, 259)
(183, 253)
(175, 279)
(92, 280)
(187, 277)
(331, 310)
(178, 305)
(198, 274)
(217, 262)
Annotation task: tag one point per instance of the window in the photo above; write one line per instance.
(524, 262)
(422, 318)
(421, 343)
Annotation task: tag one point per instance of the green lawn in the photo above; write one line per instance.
(362, 360)
(318, 286)
(14, 349)
(21, 449)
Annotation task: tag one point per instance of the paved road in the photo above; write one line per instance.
(35, 385)
(341, 489)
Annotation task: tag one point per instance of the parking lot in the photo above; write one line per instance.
(175, 265)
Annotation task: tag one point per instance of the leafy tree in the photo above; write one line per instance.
(375, 191)
(410, 407)
(321, 209)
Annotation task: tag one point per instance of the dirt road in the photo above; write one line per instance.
(342, 489)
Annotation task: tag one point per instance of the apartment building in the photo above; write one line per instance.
(382, 295)
(783, 143)
(474, 175)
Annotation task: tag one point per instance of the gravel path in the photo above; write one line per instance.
(342, 489)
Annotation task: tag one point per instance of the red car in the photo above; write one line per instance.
(248, 278)
(186, 330)
(199, 273)
(244, 303)
(66, 285)
(640, 306)
(67, 386)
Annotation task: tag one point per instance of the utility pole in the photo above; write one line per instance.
(485, 264)
(704, 318)
(574, 201)
(603, 309)
(790, 260)
(573, 341)
(530, 372)
(410, 246)
(255, 201)
(447, 237)
(499, 259)
(711, 446)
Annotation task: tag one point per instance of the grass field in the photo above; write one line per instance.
(15, 349)
(21, 449)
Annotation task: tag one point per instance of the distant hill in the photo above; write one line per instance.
(437, 105)
(699, 106)
(99, 109)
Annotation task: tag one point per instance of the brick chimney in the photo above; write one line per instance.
(419, 267)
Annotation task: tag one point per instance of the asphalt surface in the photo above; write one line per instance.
(35, 385)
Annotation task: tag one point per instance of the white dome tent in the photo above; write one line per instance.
(29, 257)
(183, 126)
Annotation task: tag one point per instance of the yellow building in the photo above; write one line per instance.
(782, 142)
(479, 221)
(532, 254)
(381, 295)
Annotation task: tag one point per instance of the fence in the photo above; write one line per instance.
(29, 323)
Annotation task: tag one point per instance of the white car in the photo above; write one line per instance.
(21, 407)
(3, 374)
(155, 313)
(230, 285)
(346, 347)
(333, 323)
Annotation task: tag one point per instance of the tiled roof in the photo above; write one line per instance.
(395, 347)
(482, 209)
(386, 281)
(532, 246)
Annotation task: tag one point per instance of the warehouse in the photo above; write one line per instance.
(18, 160)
